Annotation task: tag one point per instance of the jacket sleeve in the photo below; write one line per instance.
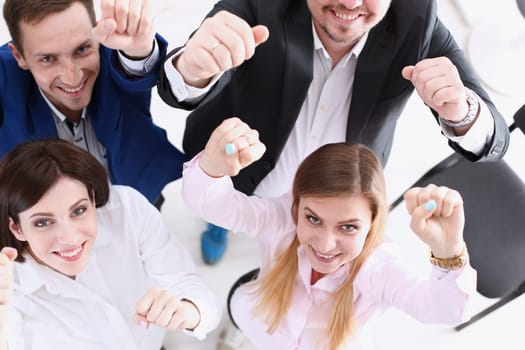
(443, 44)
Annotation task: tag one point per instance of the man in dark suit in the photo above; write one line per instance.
(65, 75)
(331, 70)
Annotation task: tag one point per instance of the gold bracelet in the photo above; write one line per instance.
(450, 263)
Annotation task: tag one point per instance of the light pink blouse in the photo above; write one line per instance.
(382, 281)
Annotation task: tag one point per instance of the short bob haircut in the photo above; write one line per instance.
(29, 170)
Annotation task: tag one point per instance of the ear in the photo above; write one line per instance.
(18, 56)
(16, 231)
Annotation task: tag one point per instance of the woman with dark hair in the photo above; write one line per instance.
(95, 267)
(324, 269)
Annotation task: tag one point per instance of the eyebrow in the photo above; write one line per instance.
(356, 220)
(51, 214)
(84, 43)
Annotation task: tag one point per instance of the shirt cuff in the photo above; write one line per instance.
(478, 136)
(210, 316)
(181, 90)
(140, 67)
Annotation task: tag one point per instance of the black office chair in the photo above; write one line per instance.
(494, 201)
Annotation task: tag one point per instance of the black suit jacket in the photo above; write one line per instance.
(267, 91)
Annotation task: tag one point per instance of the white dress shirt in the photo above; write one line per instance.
(132, 253)
(382, 282)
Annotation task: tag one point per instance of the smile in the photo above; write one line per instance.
(346, 17)
(71, 254)
(74, 89)
(325, 257)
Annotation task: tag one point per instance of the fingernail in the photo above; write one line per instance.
(230, 148)
(430, 205)
(144, 324)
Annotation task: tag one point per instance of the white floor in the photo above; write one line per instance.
(466, 19)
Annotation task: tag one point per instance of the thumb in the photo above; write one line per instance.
(10, 252)
(260, 34)
(407, 72)
(104, 29)
(140, 321)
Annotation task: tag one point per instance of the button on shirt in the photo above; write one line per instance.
(132, 253)
(382, 282)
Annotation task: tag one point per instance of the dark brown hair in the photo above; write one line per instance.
(29, 170)
(34, 11)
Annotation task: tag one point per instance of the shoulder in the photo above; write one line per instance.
(124, 196)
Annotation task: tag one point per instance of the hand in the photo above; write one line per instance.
(162, 309)
(222, 42)
(241, 139)
(439, 85)
(437, 218)
(126, 25)
(7, 256)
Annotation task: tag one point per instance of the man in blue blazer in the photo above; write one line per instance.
(64, 75)
(330, 70)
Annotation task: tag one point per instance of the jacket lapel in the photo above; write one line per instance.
(40, 123)
(369, 77)
(299, 64)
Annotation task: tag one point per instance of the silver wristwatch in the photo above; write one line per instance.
(472, 113)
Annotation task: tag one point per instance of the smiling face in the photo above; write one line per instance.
(60, 228)
(332, 230)
(340, 23)
(63, 57)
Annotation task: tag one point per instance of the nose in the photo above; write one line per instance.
(67, 235)
(351, 4)
(70, 73)
(327, 242)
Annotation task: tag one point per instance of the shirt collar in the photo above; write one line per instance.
(355, 51)
(55, 110)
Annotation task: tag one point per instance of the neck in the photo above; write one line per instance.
(315, 276)
(335, 49)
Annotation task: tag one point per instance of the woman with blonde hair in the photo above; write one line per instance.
(324, 269)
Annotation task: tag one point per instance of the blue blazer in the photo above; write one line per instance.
(138, 151)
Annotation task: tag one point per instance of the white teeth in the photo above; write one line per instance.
(346, 17)
(71, 253)
(73, 90)
(325, 256)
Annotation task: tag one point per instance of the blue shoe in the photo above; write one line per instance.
(213, 244)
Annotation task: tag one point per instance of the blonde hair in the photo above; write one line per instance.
(339, 169)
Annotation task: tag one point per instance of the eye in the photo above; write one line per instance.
(42, 223)
(348, 228)
(313, 219)
(46, 59)
(83, 49)
(79, 211)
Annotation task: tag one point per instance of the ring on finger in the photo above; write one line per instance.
(213, 48)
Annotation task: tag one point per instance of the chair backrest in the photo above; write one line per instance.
(494, 201)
